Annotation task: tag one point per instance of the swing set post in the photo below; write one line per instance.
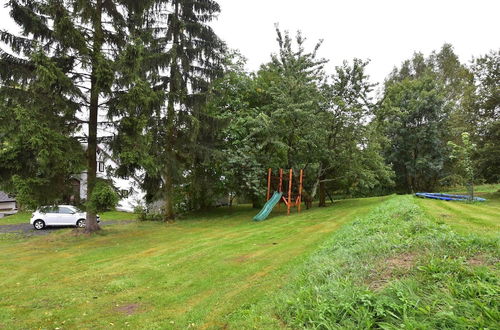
(300, 190)
(269, 183)
(289, 204)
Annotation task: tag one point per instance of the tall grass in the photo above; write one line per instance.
(394, 268)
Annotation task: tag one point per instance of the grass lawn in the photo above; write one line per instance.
(212, 270)
(396, 268)
(478, 217)
(24, 217)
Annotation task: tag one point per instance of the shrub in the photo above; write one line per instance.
(145, 215)
(104, 197)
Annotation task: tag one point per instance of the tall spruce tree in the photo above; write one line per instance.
(80, 41)
(188, 58)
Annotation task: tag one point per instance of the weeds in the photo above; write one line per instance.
(394, 268)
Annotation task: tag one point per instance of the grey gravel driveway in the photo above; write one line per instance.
(28, 230)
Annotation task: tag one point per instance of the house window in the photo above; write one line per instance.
(101, 166)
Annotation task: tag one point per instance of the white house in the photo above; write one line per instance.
(129, 189)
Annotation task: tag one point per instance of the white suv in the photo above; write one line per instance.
(59, 215)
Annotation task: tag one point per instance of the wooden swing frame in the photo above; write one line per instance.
(288, 199)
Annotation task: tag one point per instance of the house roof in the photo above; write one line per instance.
(4, 197)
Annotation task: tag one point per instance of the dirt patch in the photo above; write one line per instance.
(128, 309)
(241, 259)
(246, 257)
(481, 260)
(395, 267)
(404, 261)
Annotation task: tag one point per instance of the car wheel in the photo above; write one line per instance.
(80, 223)
(39, 224)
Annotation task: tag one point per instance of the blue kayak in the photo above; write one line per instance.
(448, 197)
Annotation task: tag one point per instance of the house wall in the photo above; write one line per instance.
(8, 206)
(135, 194)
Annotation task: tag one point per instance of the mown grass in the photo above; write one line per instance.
(209, 271)
(397, 268)
(24, 217)
(464, 217)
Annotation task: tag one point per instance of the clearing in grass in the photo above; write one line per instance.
(208, 270)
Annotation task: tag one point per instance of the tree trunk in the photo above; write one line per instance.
(316, 184)
(91, 224)
(169, 196)
(169, 182)
(322, 192)
(256, 202)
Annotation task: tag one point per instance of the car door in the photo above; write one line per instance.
(50, 215)
(66, 216)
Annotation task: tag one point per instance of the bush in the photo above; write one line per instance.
(104, 197)
(145, 215)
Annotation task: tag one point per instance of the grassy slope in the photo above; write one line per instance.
(480, 217)
(24, 217)
(207, 271)
(396, 268)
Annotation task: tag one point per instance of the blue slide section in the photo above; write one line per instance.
(268, 207)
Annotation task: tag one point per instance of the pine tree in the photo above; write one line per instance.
(81, 41)
(188, 58)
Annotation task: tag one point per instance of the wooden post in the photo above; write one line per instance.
(289, 192)
(281, 180)
(268, 182)
(300, 190)
(280, 187)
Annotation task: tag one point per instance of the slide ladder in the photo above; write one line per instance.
(268, 207)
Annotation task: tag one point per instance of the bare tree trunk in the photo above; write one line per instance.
(169, 196)
(169, 182)
(316, 184)
(91, 224)
(322, 192)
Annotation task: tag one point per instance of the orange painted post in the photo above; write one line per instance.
(281, 180)
(289, 192)
(280, 189)
(268, 182)
(300, 190)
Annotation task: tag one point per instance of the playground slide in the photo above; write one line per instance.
(268, 207)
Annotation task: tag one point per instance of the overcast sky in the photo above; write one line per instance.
(385, 31)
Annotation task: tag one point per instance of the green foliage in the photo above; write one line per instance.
(38, 154)
(463, 155)
(486, 71)
(67, 61)
(413, 116)
(392, 269)
(168, 135)
(290, 114)
(104, 197)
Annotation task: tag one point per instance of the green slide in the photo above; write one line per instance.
(271, 203)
